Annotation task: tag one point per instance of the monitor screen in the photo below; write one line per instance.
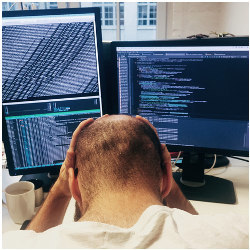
(51, 81)
(195, 95)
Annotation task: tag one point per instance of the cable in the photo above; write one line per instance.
(238, 158)
(177, 158)
(224, 170)
(174, 167)
(215, 157)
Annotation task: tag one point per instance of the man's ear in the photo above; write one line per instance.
(167, 178)
(74, 187)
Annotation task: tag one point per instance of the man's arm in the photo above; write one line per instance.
(52, 212)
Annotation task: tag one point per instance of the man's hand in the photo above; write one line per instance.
(69, 161)
(54, 207)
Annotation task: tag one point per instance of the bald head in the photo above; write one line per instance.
(118, 152)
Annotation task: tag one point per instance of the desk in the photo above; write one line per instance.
(237, 171)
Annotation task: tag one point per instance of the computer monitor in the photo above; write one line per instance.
(52, 79)
(195, 92)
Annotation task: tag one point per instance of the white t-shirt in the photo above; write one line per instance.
(158, 227)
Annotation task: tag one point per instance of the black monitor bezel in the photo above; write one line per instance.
(224, 41)
(23, 13)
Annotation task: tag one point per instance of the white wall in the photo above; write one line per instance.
(189, 18)
(235, 18)
(130, 24)
(109, 34)
(192, 18)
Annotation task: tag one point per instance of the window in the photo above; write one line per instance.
(107, 9)
(31, 6)
(6, 6)
(152, 15)
(121, 14)
(53, 5)
(137, 19)
(142, 14)
(108, 15)
(146, 14)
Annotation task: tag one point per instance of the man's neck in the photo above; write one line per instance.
(120, 209)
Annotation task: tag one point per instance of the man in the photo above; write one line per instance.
(120, 176)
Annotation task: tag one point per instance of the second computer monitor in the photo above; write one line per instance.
(52, 77)
(194, 92)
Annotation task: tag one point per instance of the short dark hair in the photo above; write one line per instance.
(117, 152)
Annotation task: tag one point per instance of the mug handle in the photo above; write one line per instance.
(4, 204)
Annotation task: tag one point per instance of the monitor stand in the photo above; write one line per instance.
(48, 179)
(197, 186)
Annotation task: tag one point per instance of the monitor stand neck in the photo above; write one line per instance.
(193, 169)
(197, 186)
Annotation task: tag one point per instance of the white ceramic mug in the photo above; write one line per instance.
(38, 185)
(20, 201)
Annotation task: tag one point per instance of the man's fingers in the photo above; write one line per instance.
(70, 159)
(78, 131)
(70, 155)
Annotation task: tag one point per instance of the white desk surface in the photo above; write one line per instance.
(237, 171)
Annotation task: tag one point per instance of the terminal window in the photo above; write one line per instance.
(187, 91)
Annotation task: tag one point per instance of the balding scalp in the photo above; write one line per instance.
(116, 152)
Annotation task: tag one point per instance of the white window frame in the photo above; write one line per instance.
(102, 5)
(147, 18)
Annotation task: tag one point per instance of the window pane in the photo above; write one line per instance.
(152, 12)
(152, 22)
(5, 6)
(53, 5)
(144, 11)
(109, 22)
(121, 13)
(140, 11)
